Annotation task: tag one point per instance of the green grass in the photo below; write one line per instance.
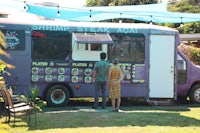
(133, 119)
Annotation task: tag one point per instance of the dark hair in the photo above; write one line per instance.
(103, 56)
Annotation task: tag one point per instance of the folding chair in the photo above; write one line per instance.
(20, 107)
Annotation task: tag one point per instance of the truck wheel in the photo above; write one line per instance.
(57, 96)
(195, 94)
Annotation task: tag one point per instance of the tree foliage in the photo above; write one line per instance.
(186, 6)
(3, 64)
(191, 51)
(118, 2)
(191, 2)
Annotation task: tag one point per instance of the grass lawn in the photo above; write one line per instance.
(183, 118)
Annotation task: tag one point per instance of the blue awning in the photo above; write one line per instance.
(149, 13)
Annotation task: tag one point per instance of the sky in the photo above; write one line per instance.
(63, 3)
(14, 7)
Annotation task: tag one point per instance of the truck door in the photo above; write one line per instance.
(161, 71)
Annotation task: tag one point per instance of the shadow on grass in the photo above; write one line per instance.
(124, 102)
(110, 119)
(133, 114)
(129, 104)
(20, 121)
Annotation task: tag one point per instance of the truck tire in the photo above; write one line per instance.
(195, 94)
(57, 96)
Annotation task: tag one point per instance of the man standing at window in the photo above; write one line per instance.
(99, 79)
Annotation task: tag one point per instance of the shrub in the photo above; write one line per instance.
(33, 100)
(191, 52)
(195, 55)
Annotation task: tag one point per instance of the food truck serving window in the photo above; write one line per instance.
(88, 46)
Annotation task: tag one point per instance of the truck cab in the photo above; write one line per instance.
(188, 83)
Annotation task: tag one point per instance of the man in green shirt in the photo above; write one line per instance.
(99, 78)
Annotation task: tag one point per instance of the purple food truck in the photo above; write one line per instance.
(59, 58)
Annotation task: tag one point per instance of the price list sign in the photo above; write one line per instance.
(139, 73)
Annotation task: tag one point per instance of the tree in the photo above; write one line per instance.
(118, 2)
(191, 2)
(3, 64)
(186, 6)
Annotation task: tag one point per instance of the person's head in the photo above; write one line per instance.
(115, 61)
(103, 56)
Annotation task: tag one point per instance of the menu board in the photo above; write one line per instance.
(139, 73)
